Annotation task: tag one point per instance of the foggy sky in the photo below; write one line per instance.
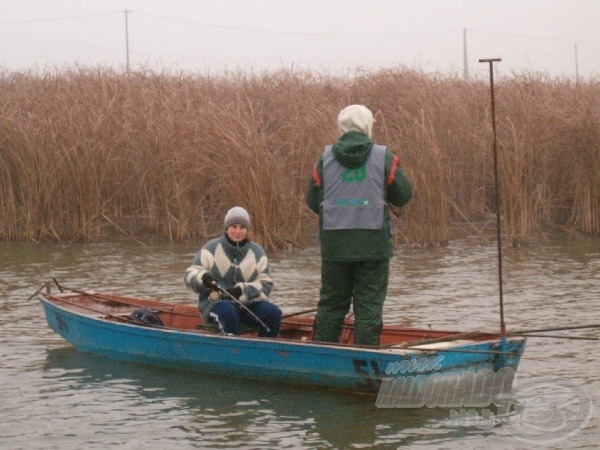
(557, 37)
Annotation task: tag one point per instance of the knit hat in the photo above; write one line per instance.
(238, 215)
(356, 118)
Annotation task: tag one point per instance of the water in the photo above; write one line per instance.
(54, 396)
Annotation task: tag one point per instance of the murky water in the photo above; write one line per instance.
(53, 396)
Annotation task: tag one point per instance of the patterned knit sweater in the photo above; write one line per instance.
(244, 265)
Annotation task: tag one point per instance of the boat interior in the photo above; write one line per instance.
(294, 327)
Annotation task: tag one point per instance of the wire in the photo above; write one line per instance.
(292, 33)
(523, 36)
(73, 44)
(54, 19)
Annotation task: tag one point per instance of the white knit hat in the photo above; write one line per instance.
(356, 118)
(238, 215)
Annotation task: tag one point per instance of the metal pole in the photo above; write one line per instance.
(576, 66)
(491, 61)
(127, 38)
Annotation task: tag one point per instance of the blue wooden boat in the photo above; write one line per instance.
(101, 323)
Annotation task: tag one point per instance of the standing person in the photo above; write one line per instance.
(241, 268)
(350, 185)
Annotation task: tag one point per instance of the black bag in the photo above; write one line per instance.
(146, 316)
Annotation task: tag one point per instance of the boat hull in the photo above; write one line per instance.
(300, 362)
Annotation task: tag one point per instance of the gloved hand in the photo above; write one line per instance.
(208, 280)
(235, 292)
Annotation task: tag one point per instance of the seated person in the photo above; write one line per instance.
(231, 276)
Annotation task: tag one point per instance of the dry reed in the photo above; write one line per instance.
(87, 153)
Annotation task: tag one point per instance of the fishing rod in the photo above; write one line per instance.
(556, 336)
(299, 313)
(110, 301)
(107, 300)
(544, 330)
(491, 62)
(228, 294)
(535, 333)
(116, 317)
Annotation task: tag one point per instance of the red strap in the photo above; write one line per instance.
(316, 177)
(390, 178)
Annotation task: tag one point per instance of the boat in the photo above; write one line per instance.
(106, 324)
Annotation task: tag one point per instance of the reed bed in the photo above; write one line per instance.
(86, 154)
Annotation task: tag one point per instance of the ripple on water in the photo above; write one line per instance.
(54, 396)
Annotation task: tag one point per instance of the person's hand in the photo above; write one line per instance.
(208, 280)
(235, 292)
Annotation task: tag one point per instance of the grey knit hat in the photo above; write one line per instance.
(238, 215)
(356, 118)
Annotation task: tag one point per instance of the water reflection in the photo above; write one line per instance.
(223, 410)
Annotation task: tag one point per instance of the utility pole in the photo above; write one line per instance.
(465, 58)
(127, 37)
(576, 66)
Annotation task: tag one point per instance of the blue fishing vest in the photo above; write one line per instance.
(354, 198)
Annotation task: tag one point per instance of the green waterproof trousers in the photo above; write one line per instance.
(360, 283)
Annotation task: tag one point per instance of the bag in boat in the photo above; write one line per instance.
(146, 316)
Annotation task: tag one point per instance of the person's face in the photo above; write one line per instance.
(236, 232)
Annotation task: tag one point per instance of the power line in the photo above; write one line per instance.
(293, 33)
(54, 19)
(73, 44)
(281, 32)
(523, 36)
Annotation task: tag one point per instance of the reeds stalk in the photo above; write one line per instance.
(89, 153)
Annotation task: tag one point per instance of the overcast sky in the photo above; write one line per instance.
(556, 37)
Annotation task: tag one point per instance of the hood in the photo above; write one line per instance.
(352, 149)
(356, 118)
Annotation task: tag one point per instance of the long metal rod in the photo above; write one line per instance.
(491, 62)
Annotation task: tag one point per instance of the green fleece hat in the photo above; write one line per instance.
(356, 118)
